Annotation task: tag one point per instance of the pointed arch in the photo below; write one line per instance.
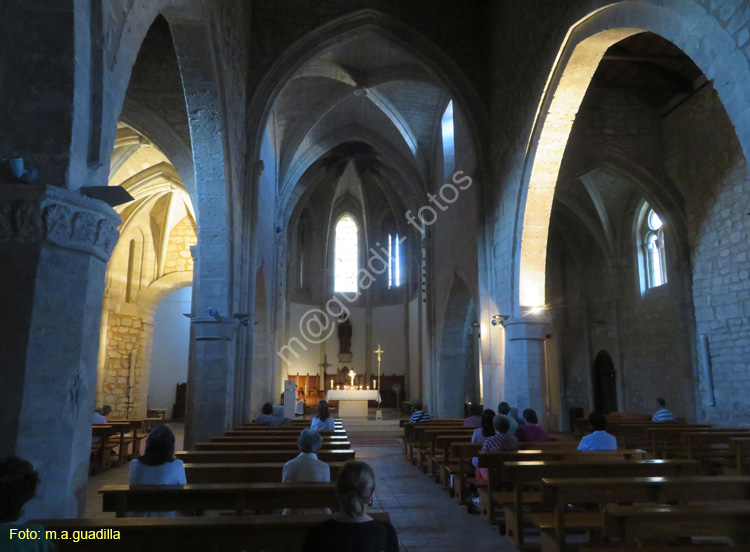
(716, 55)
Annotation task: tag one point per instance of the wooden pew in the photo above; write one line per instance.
(521, 475)
(421, 442)
(267, 445)
(463, 470)
(632, 434)
(666, 440)
(741, 448)
(255, 438)
(240, 497)
(641, 523)
(496, 494)
(258, 456)
(440, 462)
(126, 437)
(101, 455)
(713, 447)
(410, 429)
(273, 533)
(279, 432)
(269, 472)
(559, 493)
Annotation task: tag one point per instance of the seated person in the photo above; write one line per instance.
(475, 416)
(278, 419)
(18, 482)
(504, 409)
(514, 414)
(158, 465)
(499, 442)
(487, 429)
(599, 439)
(420, 413)
(351, 529)
(267, 414)
(100, 414)
(306, 468)
(531, 432)
(663, 414)
(323, 421)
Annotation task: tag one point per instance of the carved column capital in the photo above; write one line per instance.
(38, 213)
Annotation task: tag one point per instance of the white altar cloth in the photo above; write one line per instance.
(352, 402)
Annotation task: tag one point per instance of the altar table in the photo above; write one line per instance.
(352, 402)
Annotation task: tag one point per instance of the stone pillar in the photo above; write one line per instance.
(54, 247)
(525, 367)
(210, 407)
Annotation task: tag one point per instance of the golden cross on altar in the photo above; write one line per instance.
(378, 352)
(352, 375)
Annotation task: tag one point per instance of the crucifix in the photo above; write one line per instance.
(379, 352)
(324, 365)
(352, 375)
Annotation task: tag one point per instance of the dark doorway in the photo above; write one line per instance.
(605, 383)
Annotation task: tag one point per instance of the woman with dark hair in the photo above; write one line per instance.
(158, 465)
(351, 529)
(323, 421)
(265, 417)
(18, 482)
(531, 432)
(486, 429)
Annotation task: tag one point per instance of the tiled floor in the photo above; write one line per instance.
(426, 518)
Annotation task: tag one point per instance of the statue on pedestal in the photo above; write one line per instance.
(345, 339)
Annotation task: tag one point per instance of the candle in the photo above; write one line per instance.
(338, 387)
(331, 384)
(368, 387)
(373, 384)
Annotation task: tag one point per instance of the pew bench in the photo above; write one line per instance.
(272, 533)
(655, 524)
(101, 447)
(258, 456)
(240, 497)
(521, 477)
(269, 472)
(558, 493)
(244, 437)
(268, 445)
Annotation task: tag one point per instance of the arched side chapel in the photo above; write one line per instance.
(267, 132)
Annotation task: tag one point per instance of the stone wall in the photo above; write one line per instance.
(181, 239)
(704, 157)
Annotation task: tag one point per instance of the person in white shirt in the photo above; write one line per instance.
(158, 465)
(599, 439)
(100, 414)
(323, 421)
(306, 468)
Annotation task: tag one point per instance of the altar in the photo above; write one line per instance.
(352, 402)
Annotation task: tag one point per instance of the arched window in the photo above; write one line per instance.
(449, 150)
(394, 261)
(653, 250)
(346, 251)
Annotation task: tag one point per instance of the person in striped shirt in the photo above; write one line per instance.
(420, 413)
(663, 414)
(501, 440)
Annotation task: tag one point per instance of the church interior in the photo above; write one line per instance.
(433, 206)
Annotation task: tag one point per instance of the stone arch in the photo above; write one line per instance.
(577, 60)
(450, 384)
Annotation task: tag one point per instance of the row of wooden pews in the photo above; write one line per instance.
(553, 495)
(238, 473)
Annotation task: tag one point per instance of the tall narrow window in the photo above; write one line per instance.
(653, 250)
(394, 261)
(346, 253)
(131, 265)
(449, 151)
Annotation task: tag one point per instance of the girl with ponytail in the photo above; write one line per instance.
(351, 529)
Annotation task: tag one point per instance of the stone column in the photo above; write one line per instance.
(54, 247)
(525, 363)
(210, 407)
